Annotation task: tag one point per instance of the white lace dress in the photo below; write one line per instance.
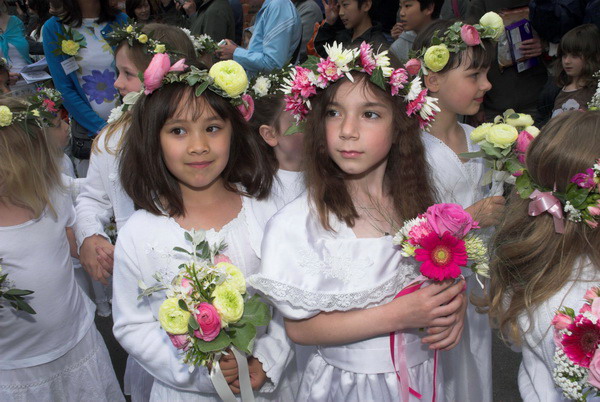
(307, 270)
(145, 246)
(467, 367)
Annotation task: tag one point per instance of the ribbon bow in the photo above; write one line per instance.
(546, 202)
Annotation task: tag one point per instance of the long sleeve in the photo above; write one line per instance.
(78, 107)
(139, 332)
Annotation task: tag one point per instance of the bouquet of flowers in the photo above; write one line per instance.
(207, 309)
(503, 146)
(15, 297)
(442, 241)
(577, 337)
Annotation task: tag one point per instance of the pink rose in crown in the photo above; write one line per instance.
(594, 373)
(584, 180)
(179, 341)
(413, 66)
(209, 322)
(221, 258)
(156, 71)
(178, 66)
(247, 107)
(451, 218)
(522, 143)
(469, 35)
(561, 321)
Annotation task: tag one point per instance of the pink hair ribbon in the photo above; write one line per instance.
(546, 202)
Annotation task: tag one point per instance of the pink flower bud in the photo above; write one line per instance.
(413, 66)
(561, 321)
(179, 341)
(595, 211)
(221, 258)
(469, 35)
(247, 107)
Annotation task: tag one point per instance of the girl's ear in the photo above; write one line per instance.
(432, 81)
(269, 134)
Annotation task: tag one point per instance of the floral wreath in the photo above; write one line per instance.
(318, 73)
(456, 39)
(132, 33)
(203, 44)
(42, 107)
(269, 84)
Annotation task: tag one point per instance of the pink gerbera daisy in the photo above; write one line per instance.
(441, 257)
(583, 342)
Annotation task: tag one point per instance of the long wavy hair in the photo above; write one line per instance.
(582, 41)
(530, 261)
(407, 175)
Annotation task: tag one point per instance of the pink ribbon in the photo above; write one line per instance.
(546, 202)
(398, 353)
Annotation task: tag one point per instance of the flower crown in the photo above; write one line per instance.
(202, 43)
(132, 33)
(318, 73)
(42, 107)
(456, 39)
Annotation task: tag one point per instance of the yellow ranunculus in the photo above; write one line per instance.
(160, 48)
(523, 120)
(236, 278)
(502, 135)
(533, 130)
(494, 21)
(6, 116)
(229, 303)
(70, 47)
(480, 132)
(436, 57)
(143, 38)
(129, 29)
(230, 76)
(172, 318)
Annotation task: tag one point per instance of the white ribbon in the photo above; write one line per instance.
(498, 180)
(220, 384)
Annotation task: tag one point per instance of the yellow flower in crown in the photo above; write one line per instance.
(160, 48)
(230, 76)
(129, 29)
(70, 47)
(436, 57)
(143, 38)
(36, 113)
(6, 116)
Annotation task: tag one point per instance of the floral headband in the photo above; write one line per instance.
(318, 73)
(43, 106)
(269, 84)
(132, 33)
(456, 39)
(203, 44)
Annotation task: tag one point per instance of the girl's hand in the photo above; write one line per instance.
(88, 256)
(257, 375)
(531, 48)
(229, 368)
(488, 211)
(446, 338)
(332, 10)
(106, 258)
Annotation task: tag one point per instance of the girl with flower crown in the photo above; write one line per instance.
(328, 263)
(189, 161)
(546, 259)
(56, 353)
(456, 75)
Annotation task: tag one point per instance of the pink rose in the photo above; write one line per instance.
(156, 71)
(469, 35)
(247, 107)
(179, 66)
(594, 376)
(586, 308)
(413, 66)
(591, 293)
(221, 258)
(450, 218)
(179, 341)
(523, 141)
(209, 321)
(561, 321)
(584, 180)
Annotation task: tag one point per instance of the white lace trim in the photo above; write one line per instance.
(345, 269)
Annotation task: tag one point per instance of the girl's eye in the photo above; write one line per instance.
(213, 129)
(371, 115)
(178, 131)
(332, 113)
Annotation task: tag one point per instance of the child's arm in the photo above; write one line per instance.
(72, 243)
(488, 211)
(423, 308)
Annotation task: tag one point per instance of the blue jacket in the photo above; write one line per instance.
(74, 98)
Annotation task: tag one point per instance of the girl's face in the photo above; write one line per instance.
(196, 151)
(59, 132)
(461, 89)
(351, 14)
(289, 147)
(573, 65)
(358, 129)
(128, 80)
(142, 13)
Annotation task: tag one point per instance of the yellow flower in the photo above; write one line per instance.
(230, 76)
(236, 278)
(229, 303)
(521, 121)
(6, 116)
(533, 130)
(502, 135)
(143, 38)
(480, 132)
(160, 48)
(408, 250)
(69, 47)
(494, 21)
(436, 57)
(129, 29)
(172, 318)
(36, 113)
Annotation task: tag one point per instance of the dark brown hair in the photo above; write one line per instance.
(69, 12)
(131, 5)
(407, 173)
(530, 261)
(480, 56)
(582, 41)
(144, 174)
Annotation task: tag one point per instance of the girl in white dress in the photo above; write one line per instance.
(189, 162)
(327, 260)
(459, 88)
(535, 271)
(56, 354)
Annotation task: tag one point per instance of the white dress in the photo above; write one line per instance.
(145, 246)
(535, 373)
(467, 367)
(56, 354)
(306, 270)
